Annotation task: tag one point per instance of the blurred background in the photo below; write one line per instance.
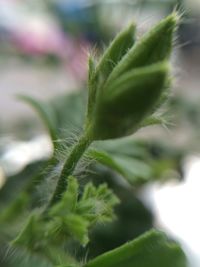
(44, 47)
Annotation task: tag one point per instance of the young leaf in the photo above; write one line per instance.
(14, 209)
(60, 115)
(32, 235)
(78, 228)
(73, 216)
(69, 199)
(46, 113)
(152, 249)
(97, 204)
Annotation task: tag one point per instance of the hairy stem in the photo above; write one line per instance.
(69, 166)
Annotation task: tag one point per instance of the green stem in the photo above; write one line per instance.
(69, 167)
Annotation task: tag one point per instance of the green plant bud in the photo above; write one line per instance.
(124, 104)
(154, 46)
(117, 49)
(125, 93)
(77, 227)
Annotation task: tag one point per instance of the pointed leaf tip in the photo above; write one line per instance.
(155, 46)
(117, 49)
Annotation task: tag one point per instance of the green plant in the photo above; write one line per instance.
(127, 87)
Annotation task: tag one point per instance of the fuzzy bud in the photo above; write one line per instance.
(126, 93)
(124, 104)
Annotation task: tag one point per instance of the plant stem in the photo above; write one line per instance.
(69, 166)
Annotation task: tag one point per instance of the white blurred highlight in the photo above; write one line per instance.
(176, 207)
(18, 155)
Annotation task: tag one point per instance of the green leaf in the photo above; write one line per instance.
(128, 146)
(14, 209)
(135, 171)
(32, 235)
(61, 115)
(152, 249)
(46, 113)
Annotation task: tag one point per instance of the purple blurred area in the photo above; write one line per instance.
(44, 45)
(37, 56)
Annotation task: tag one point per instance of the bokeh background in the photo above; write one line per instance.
(44, 47)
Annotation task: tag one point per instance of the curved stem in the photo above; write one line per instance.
(69, 167)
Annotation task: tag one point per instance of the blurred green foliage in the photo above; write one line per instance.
(58, 232)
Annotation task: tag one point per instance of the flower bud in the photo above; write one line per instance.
(127, 83)
(124, 104)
